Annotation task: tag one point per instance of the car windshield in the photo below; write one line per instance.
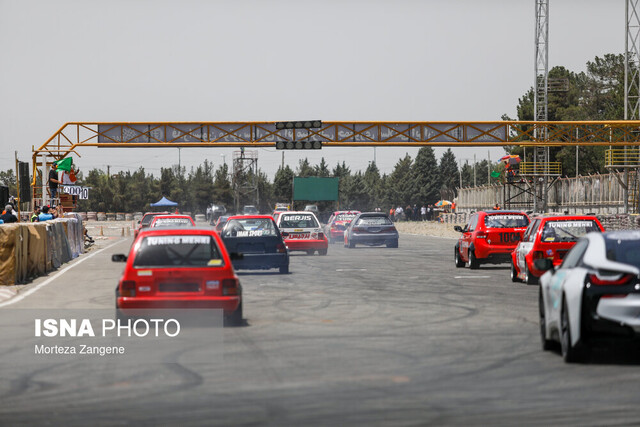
(178, 251)
(567, 230)
(506, 221)
(250, 210)
(624, 247)
(374, 220)
(250, 227)
(172, 222)
(298, 221)
(345, 217)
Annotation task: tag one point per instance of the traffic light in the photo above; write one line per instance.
(299, 145)
(304, 124)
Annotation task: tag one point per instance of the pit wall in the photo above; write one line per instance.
(29, 250)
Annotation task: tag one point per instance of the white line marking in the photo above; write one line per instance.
(351, 269)
(22, 296)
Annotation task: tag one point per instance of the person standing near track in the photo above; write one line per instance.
(53, 181)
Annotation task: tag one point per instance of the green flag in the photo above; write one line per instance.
(495, 174)
(64, 164)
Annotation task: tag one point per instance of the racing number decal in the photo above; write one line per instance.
(509, 237)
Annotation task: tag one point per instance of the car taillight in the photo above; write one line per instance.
(281, 248)
(481, 235)
(358, 229)
(230, 287)
(320, 236)
(314, 235)
(128, 288)
(537, 255)
(389, 230)
(618, 279)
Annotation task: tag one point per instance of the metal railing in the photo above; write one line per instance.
(622, 158)
(541, 168)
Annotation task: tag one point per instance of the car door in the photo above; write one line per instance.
(568, 274)
(467, 237)
(526, 245)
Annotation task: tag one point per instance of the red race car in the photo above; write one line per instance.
(549, 237)
(489, 237)
(337, 223)
(302, 232)
(146, 221)
(178, 268)
(172, 221)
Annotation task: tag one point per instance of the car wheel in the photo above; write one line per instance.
(529, 278)
(393, 244)
(570, 353)
(351, 245)
(310, 252)
(458, 258)
(546, 344)
(514, 273)
(284, 269)
(322, 252)
(473, 261)
(235, 318)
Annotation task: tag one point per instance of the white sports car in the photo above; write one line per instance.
(594, 293)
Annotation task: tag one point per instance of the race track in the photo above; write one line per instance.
(365, 336)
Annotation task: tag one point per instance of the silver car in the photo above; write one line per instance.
(593, 294)
(371, 229)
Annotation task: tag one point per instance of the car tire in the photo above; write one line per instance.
(514, 273)
(546, 344)
(322, 251)
(310, 252)
(570, 353)
(393, 244)
(457, 258)
(351, 245)
(284, 269)
(473, 261)
(235, 318)
(529, 278)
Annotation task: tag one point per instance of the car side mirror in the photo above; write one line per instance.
(543, 264)
(118, 258)
(236, 255)
(458, 229)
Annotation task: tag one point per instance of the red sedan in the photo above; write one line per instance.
(179, 268)
(549, 237)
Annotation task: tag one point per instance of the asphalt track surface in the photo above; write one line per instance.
(365, 336)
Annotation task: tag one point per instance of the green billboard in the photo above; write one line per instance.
(315, 188)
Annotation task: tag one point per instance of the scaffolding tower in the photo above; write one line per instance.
(245, 178)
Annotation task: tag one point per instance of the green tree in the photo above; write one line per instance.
(283, 185)
(399, 190)
(449, 175)
(222, 191)
(426, 177)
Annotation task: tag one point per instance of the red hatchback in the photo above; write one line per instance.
(146, 221)
(549, 237)
(179, 268)
(337, 223)
(489, 237)
(172, 221)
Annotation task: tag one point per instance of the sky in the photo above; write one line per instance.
(260, 60)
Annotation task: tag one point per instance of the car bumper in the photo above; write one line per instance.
(227, 303)
(612, 311)
(261, 261)
(307, 244)
(373, 239)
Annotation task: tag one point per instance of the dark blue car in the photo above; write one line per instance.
(255, 243)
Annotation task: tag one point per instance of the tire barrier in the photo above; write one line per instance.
(111, 216)
(200, 217)
(92, 216)
(29, 250)
(101, 216)
(128, 217)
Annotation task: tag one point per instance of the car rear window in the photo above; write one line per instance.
(249, 228)
(506, 221)
(178, 251)
(173, 222)
(146, 220)
(567, 230)
(374, 220)
(298, 221)
(624, 247)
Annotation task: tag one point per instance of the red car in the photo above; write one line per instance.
(146, 221)
(179, 268)
(337, 223)
(489, 237)
(302, 232)
(549, 237)
(172, 221)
